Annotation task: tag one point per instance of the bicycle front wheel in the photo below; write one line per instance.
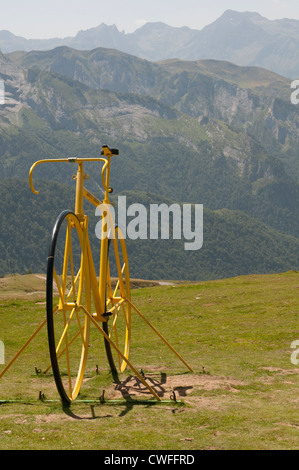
(68, 299)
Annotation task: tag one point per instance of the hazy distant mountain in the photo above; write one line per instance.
(102, 35)
(249, 39)
(243, 38)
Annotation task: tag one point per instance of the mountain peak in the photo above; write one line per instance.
(101, 28)
(240, 15)
(241, 37)
(152, 27)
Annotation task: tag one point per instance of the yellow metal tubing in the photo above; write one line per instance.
(121, 354)
(88, 278)
(23, 347)
(91, 198)
(63, 160)
(160, 336)
(106, 225)
(79, 192)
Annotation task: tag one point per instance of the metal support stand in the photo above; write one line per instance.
(94, 321)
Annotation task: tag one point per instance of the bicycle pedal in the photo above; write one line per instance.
(107, 314)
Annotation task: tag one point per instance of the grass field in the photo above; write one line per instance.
(235, 333)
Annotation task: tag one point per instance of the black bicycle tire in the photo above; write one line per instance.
(49, 303)
(106, 330)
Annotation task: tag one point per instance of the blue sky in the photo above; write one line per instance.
(60, 18)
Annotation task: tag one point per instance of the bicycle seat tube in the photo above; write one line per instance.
(79, 192)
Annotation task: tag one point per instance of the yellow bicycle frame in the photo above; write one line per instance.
(98, 290)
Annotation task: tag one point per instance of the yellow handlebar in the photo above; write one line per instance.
(38, 163)
(68, 160)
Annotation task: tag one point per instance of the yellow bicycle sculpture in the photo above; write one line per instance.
(76, 297)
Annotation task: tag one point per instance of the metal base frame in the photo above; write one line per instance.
(92, 319)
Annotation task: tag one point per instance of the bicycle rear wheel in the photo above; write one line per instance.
(68, 294)
(118, 308)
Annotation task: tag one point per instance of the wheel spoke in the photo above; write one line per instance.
(66, 326)
(66, 258)
(63, 351)
(72, 289)
(118, 281)
(58, 286)
(109, 289)
(81, 332)
(114, 329)
(67, 355)
(116, 288)
(125, 316)
(69, 228)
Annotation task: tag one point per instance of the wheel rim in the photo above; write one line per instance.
(117, 306)
(68, 294)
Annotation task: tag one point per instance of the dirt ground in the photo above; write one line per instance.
(176, 388)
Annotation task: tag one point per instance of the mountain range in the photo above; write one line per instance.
(202, 131)
(235, 108)
(244, 38)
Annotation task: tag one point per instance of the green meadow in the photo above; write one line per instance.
(235, 333)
